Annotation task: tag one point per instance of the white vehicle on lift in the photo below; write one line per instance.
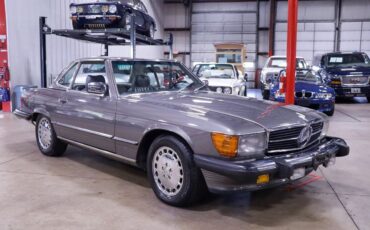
(271, 70)
(222, 78)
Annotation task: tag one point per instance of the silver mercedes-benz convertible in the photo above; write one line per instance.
(155, 114)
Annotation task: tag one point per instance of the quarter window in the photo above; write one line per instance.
(88, 69)
(67, 78)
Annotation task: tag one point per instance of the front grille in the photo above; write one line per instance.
(285, 140)
(92, 9)
(95, 26)
(303, 94)
(355, 80)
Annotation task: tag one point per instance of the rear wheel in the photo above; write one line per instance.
(172, 173)
(47, 140)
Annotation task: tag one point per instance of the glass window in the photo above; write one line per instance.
(88, 69)
(282, 63)
(229, 58)
(67, 78)
(146, 77)
(216, 71)
(348, 60)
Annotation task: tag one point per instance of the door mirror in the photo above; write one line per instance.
(246, 77)
(99, 88)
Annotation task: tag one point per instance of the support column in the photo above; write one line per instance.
(291, 50)
(133, 36)
(272, 27)
(43, 52)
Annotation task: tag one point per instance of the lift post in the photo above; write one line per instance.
(106, 37)
(291, 51)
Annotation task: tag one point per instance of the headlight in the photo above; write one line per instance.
(228, 91)
(246, 145)
(219, 90)
(252, 144)
(73, 10)
(326, 96)
(325, 128)
(112, 9)
(105, 9)
(80, 9)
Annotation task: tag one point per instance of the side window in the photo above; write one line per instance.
(67, 78)
(88, 69)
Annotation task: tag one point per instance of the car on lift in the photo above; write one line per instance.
(222, 78)
(113, 14)
(189, 140)
(310, 91)
(347, 72)
(271, 70)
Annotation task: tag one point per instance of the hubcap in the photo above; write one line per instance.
(168, 171)
(44, 133)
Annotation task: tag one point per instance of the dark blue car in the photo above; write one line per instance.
(310, 91)
(347, 73)
(112, 14)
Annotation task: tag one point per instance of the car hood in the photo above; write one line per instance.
(309, 86)
(355, 70)
(236, 114)
(216, 82)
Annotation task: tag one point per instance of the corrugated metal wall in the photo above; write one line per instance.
(229, 22)
(316, 28)
(23, 33)
(355, 26)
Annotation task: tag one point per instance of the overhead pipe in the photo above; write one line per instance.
(291, 51)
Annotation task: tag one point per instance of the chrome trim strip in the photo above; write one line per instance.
(102, 152)
(125, 140)
(85, 130)
(22, 114)
(288, 139)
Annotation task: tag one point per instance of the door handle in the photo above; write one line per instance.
(62, 101)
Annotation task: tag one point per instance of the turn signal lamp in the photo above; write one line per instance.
(336, 82)
(226, 145)
(263, 179)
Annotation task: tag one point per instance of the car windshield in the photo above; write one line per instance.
(311, 76)
(282, 63)
(216, 71)
(148, 77)
(129, 2)
(347, 60)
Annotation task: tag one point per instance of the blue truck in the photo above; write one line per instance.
(347, 73)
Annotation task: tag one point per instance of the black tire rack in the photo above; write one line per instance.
(105, 37)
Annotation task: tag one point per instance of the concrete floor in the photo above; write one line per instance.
(86, 191)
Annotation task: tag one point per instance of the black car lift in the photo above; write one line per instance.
(105, 37)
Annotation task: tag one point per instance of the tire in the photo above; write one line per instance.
(47, 141)
(266, 94)
(168, 155)
(331, 112)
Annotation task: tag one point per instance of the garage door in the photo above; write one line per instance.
(313, 39)
(355, 36)
(232, 22)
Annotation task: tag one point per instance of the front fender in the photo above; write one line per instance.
(42, 111)
(169, 128)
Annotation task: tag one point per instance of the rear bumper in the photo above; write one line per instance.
(229, 175)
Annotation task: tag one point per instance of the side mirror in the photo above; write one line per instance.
(246, 77)
(98, 88)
